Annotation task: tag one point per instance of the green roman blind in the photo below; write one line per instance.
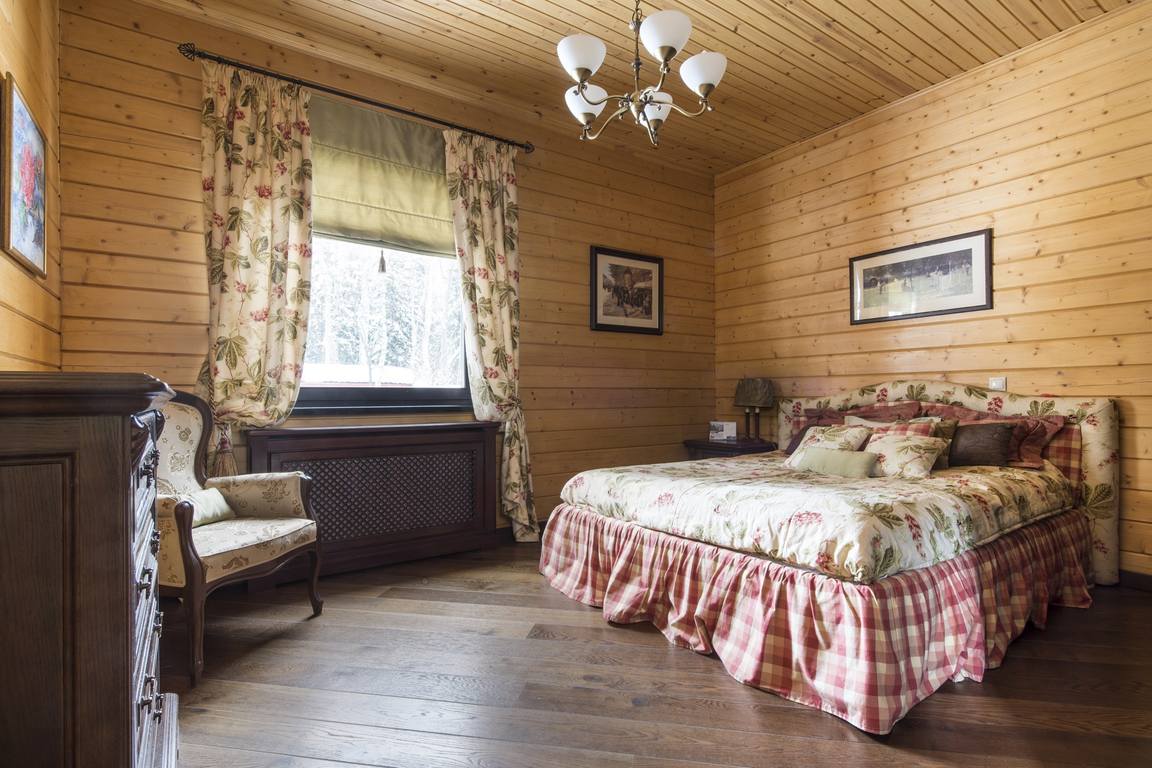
(379, 179)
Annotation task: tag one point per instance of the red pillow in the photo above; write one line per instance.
(898, 411)
(1034, 434)
(959, 412)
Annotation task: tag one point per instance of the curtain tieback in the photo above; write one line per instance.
(510, 408)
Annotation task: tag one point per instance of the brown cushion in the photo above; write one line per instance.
(982, 444)
(1032, 435)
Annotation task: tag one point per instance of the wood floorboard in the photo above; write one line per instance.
(472, 660)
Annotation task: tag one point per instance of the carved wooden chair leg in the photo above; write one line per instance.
(195, 612)
(313, 595)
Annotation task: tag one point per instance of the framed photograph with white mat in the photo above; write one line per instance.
(939, 277)
(627, 291)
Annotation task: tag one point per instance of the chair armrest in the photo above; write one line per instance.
(177, 560)
(273, 494)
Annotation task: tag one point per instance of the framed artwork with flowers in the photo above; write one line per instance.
(24, 168)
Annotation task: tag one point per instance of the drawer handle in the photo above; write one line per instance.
(154, 544)
(149, 464)
(144, 584)
(158, 623)
(147, 702)
(158, 710)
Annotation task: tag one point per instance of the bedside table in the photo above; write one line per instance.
(707, 449)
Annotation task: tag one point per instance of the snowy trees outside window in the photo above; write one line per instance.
(400, 326)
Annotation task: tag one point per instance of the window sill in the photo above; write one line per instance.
(381, 410)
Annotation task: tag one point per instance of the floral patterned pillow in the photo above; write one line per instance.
(905, 455)
(836, 438)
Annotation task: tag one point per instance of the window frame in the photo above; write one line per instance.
(348, 401)
(315, 400)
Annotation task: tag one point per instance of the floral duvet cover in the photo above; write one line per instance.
(856, 529)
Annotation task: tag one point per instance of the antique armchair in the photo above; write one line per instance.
(221, 530)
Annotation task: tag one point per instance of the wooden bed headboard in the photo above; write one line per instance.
(1099, 458)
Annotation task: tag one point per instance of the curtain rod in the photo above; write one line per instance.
(191, 52)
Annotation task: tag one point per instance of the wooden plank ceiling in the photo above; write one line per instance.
(796, 67)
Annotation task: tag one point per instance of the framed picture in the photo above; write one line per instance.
(627, 292)
(939, 277)
(24, 168)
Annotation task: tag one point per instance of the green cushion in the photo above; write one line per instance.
(209, 506)
(828, 461)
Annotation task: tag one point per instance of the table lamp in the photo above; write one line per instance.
(752, 395)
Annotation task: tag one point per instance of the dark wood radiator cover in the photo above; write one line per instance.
(389, 493)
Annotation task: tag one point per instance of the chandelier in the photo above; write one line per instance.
(664, 34)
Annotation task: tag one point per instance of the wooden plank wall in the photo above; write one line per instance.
(29, 304)
(1050, 147)
(134, 282)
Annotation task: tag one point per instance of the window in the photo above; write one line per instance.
(385, 330)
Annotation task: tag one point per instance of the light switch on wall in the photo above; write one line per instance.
(998, 383)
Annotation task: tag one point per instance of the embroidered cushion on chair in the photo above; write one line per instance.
(238, 544)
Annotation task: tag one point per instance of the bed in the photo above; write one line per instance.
(857, 597)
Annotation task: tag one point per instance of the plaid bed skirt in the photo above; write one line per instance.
(866, 653)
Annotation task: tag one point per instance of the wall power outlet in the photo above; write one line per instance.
(998, 383)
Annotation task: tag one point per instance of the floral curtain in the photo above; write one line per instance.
(482, 189)
(257, 170)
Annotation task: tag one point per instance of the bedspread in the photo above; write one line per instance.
(861, 530)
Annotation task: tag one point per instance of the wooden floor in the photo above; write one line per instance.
(473, 661)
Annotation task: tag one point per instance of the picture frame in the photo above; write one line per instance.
(626, 291)
(23, 192)
(938, 277)
(720, 431)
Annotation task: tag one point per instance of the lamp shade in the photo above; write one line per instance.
(703, 72)
(656, 111)
(755, 393)
(665, 33)
(581, 55)
(578, 105)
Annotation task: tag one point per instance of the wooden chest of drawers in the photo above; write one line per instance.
(78, 544)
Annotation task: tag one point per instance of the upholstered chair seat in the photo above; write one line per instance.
(217, 531)
(229, 546)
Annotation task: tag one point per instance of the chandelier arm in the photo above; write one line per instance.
(663, 74)
(704, 107)
(583, 86)
(593, 135)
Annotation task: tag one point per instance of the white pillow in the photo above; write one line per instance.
(836, 438)
(908, 456)
(208, 506)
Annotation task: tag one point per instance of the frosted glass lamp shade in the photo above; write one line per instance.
(581, 55)
(578, 105)
(703, 72)
(665, 33)
(656, 111)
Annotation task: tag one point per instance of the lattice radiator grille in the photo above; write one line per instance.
(364, 496)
